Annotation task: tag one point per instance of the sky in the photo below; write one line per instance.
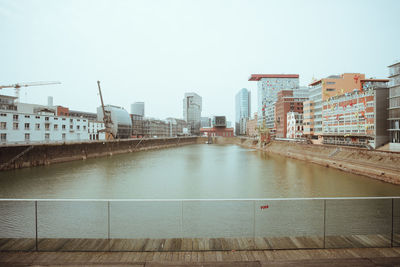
(155, 51)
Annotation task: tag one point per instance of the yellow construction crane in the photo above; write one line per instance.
(18, 86)
(108, 124)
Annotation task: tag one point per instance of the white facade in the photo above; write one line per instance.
(42, 127)
(294, 125)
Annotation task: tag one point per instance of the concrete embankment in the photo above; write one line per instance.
(381, 165)
(21, 156)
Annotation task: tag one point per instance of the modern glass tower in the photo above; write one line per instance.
(192, 106)
(243, 110)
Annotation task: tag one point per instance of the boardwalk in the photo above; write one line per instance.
(306, 257)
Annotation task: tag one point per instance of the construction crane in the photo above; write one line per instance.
(262, 129)
(18, 86)
(108, 124)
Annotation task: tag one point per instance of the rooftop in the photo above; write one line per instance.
(257, 77)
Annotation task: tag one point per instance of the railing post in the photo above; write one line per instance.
(36, 227)
(108, 225)
(392, 236)
(324, 222)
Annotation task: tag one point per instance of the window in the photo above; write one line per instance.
(77, 127)
(63, 127)
(27, 116)
(27, 137)
(84, 127)
(63, 119)
(47, 136)
(70, 120)
(63, 136)
(330, 89)
(37, 126)
(37, 117)
(26, 126)
(3, 125)
(55, 127)
(15, 117)
(3, 114)
(46, 118)
(3, 137)
(71, 127)
(330, 82)
(47, 126)
(15, 125)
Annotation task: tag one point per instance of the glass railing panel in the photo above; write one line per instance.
(218, 225)
(17, 226)
(358, 223)
(145, 225)
(396, 222)
(72, 225)
(289, 224)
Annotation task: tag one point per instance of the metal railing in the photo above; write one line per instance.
(204, 224)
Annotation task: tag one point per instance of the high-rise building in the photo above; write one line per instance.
(192, 106)
(321, 90)
(243, 110)
(205, 122)
(268, 87)
(137, 108)
(394, 106)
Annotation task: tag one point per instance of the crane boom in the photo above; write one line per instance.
(17, 86)
(108, 124)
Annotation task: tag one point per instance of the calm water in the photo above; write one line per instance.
(195, 171)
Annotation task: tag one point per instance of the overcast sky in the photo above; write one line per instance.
(155, 51)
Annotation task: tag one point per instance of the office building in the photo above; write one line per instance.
(358, 118)
(321, 90)
(192, 106)
(137, 108)
(268, 87)
(242, 110)
(394, 106)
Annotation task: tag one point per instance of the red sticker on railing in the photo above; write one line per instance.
(264, 207)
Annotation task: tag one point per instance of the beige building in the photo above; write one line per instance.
(251, 126)
(321, 90)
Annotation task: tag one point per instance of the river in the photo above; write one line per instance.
(188, 172)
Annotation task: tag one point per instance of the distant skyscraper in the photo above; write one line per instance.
(205, 122)
(192, 106)
(243, 110)
(137, 108)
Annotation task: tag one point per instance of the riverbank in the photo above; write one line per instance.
(23, 156)
(380, 165)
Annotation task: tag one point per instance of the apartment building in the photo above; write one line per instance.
(394, 106)
(295, 125)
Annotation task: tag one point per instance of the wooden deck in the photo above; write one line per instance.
(197, 244)
(305, 257)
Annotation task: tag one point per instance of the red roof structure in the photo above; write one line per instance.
(257, 77)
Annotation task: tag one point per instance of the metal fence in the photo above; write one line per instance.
(198, 224)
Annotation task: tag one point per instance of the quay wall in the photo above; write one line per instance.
(376, 164)
(45, 154)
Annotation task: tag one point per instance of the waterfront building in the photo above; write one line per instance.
(394, 106)
(155, 128)
(218, 128)
(137, 125)
(178, 127)
(321, 90)
(22, 123)
(242, 110)
(121, 121)
(294, 125)
(268, 87)
(251, 126)
(205, 122)
(192, 106)
(288, 101)
(137, 108)
(358, 118)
